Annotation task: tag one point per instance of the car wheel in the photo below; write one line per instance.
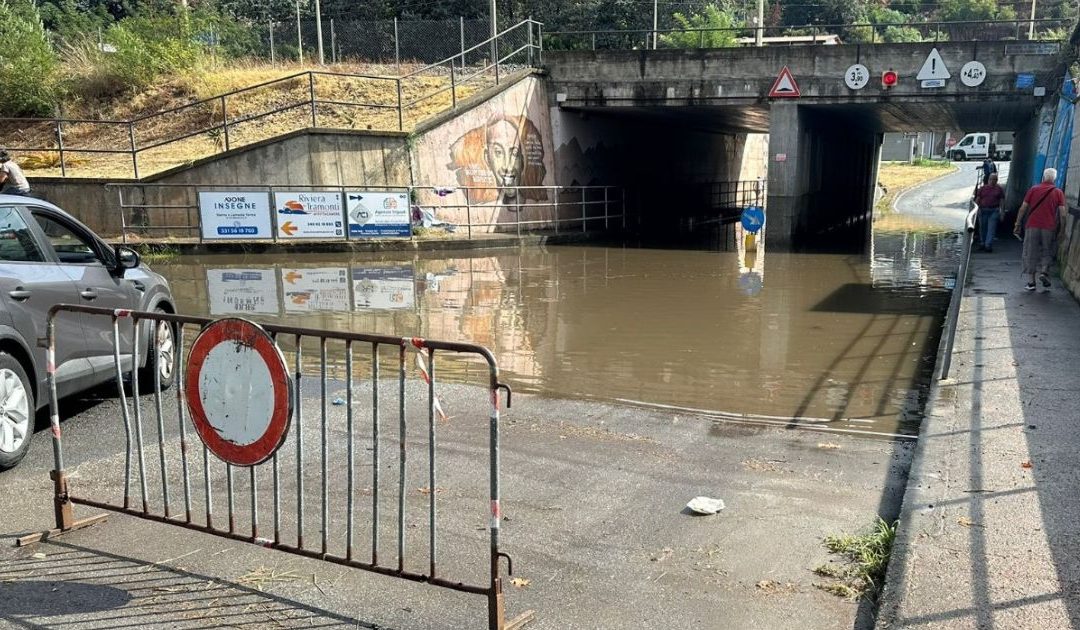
(17, 412)
(160, 357)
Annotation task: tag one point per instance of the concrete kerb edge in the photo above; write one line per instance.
(914, 498)
(905, 191)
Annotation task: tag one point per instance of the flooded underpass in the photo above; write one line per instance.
(845, 340)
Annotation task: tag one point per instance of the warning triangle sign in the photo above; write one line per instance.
(933, 67)
(785, 86)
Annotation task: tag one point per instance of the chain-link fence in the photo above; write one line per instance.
(383, 41)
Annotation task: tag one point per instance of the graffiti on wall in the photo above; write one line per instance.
(504, 153)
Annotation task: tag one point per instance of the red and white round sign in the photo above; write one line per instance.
(239, 392)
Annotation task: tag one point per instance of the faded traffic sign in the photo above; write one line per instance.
(239, 391)
(973, 74)
(1033, 48)
(309, 214)
(933, 69)
(856, 77)
(785, 86)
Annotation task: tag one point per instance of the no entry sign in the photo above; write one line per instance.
(239, 392)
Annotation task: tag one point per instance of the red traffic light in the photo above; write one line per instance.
(889, 78)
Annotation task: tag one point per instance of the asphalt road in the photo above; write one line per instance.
(944, 202)
(593, 504)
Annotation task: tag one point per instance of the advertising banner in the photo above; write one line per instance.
(321, 289)
(232, 291)
(235, 215)
(383, 287)
(306, 214)
(378, 214)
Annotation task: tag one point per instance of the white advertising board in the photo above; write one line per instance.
(307, 214)
(322, 289)
(378, 214)
(235, 215)
(233, 291)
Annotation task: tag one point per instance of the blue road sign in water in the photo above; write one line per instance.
(753, 218)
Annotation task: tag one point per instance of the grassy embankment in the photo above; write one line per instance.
(897, 177)
(362, 94)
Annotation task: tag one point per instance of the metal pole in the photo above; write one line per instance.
(225, 121)
(494, 33)
(299, 37)
(397, 48)
(311, 95)
(556, 193)
(461, 22)
(333, 42)
(1031, 24)
(60, 144)
(453, 87)
(954, 304)
(400, 115)
(318, 31)
(468, 214)
(134, 151)
(759, 32)
(655, 15)
(272, 60)
(584, 221)
(529, 27)
(606, 213)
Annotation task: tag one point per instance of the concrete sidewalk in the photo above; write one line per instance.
(990, 529)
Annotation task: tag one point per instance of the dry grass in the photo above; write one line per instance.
(897, 177)
(349, 102)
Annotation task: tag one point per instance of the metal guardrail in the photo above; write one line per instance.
(154, 499)
(558, 208)
(520, 46)
(984, 30)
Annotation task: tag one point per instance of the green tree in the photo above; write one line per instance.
(712, 16)
(974, 10)
(29, 77)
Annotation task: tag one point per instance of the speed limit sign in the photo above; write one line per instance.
(857, 76)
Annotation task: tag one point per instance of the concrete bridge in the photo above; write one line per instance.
(824, 140)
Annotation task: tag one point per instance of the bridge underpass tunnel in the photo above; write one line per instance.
(822, 176)
(688, 171)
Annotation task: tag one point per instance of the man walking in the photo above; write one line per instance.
(12, 180)
(1041, 216)
(988, 167)
(988, 197)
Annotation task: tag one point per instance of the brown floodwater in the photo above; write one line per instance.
(843, 339)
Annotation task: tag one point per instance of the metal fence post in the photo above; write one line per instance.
(584, 220)
(225, 121)
(453, 86)
(311, 95)
(400, 114)
(540, 36)
(594, 41)
(272, 60)
(529, 28)
(606, 212)
(134, 151)
(60, 144)
(556, 193)
(333, 42)
(468, 214)
(397, 54)
(495, 55)
(461, 23)
(299, 37)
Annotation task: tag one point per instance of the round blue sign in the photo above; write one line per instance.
(753, 218)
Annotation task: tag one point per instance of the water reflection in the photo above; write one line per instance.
(844, 338)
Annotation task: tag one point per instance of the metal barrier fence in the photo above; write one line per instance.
(1050, 30)
(304, 100)
(285, 464)
(173, 210)
(953, 316)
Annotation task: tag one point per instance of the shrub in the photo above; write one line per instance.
(712, 16)
(29, 78)
(150, 47)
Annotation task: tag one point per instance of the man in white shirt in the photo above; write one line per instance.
(12, 180)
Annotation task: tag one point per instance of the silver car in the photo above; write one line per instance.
(48, 257)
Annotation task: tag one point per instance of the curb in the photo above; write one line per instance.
(900, 195)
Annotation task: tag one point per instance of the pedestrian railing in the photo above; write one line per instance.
(967, 240)
(187, 487)
(158, 212)
(1048, 30)
(306, 100)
